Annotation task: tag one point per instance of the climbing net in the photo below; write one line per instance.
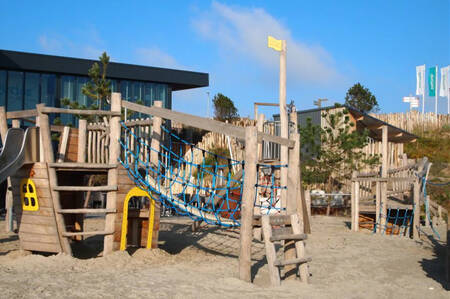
(196, 182)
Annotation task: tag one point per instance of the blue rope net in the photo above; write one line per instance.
(208, 190)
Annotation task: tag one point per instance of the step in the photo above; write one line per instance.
(297, 237)
(82, 166)
(274, 220)
(86, 211)
(85, 188)
(73, 234)
(297, 261)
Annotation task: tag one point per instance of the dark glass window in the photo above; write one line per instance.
(48, 90)
(31, 90)
(15, 91)
(79, 96)
(2, 88)
(67, 92)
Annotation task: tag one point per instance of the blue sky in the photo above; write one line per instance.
(331, 44)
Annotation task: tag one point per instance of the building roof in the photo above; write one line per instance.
(176, 79)
(370, 122)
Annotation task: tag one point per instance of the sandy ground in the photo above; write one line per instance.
(204, 264)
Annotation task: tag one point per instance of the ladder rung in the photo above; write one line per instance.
(85, 188)
(292, 262)
(75, 165)
(86, 211)
(73, 234)
(297, 237)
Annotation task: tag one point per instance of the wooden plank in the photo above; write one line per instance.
(85, 188)
(281, 231)
(43, 211)
(63, 144)
(274, 220)
(37, 219)
(86, 211)
(42, 247)
(91, 233)
(271, 254)
(296, 261)
(356, 210)
(21, 114)
(416, 219)
(82, 139)
(203, 123)
(281, 237)
(82, 166)
(47, 110)
(248, 196)
(297, 228)
(38, 229)
(114, 152)
(39, 238)
(377, 207)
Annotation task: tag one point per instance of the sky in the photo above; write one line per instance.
(331, 45)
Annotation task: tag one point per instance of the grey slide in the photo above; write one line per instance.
(20, 147)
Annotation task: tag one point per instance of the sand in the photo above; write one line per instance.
(204, 264)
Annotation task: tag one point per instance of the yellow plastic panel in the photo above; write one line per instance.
(28, 195)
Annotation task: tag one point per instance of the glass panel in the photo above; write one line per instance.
(114, 86)
(79, 96)
(2, 88)
(67, 92)
(48, 90)
(31, 90)
(15, 91)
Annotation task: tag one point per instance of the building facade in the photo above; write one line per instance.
(28, 79)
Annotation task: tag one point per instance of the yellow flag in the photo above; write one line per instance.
(276, 44)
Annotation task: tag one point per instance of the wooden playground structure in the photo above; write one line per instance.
(48, 192)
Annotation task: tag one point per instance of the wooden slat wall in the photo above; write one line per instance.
(37, 229)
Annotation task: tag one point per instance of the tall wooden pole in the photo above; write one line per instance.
(8, 198)
(283, 124)
(246, 234)
(384, 174)
(114, 152)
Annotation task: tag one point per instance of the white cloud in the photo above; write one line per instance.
(156, 57)
(243, 31)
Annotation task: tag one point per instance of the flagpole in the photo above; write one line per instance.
(436, 89)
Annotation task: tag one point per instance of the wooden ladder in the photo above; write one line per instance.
(59, 212)
(287, 228)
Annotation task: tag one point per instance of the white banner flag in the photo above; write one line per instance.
(420, 75)
(445, 81)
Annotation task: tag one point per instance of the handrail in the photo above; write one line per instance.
(204, 123)
(21, 114)
(48, 110)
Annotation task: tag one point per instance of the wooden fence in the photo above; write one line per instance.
(415, 120)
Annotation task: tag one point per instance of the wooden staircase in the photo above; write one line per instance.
(283, 228)
(76, 169)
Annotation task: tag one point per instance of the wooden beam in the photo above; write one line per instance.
(416, 219)
(21, 114)
(248, 197)
(203, 123)
(47, 110)
(266, 104)
(384, 174)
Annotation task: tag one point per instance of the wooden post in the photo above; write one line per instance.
(3, 124)
(63, 144)
(8, 198)
(49, 158)
(293, 204)
(154, 157)
(353, 200)
(308, 202)
(251, 141)
(82, 138)
(357, 193)
(283, 124)
(260, 125)
(114, 152)
(15, 123)
(156, 136)
(384, 174)
(377, 207)
(416, 220)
